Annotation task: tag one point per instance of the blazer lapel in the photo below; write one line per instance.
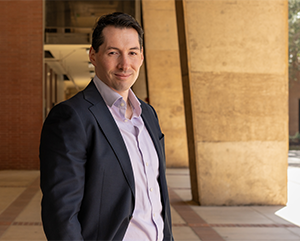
(147, 118)
(150, 123)
(110, 130)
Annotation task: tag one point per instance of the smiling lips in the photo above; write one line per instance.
(122, 75)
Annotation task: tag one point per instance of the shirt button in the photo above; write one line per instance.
(122, 104)
(151, 189)
(125, 120)
(147, 163)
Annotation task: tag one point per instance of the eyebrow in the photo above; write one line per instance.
(115, 48)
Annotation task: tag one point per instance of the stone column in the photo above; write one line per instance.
(238, 85)
(294, 104)
(164, 76)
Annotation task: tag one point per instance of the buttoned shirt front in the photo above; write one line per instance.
(146, 222)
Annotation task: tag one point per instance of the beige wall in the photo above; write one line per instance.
(164, 76)
(237, 56)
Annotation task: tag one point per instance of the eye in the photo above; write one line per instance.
(132, 53)
(112, 53)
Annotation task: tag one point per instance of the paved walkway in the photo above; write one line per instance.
(20, 211)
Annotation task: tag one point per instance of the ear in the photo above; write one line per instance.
(92, 55)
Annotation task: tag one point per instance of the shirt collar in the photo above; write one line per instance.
(110, 96)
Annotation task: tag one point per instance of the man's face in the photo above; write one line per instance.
(118, 59)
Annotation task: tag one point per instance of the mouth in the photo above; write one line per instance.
(122, 75)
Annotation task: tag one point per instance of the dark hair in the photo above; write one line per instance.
(118, 20)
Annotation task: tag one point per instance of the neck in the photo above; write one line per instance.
(129, 111)
(124, 94)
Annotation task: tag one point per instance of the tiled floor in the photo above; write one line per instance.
(20, 212)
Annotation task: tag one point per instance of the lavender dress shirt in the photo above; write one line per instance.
(146, 222)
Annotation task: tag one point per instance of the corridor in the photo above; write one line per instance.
(20, 211)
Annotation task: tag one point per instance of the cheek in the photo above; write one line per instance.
(137, 64)
(106, 66)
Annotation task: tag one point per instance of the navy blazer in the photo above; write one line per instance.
(86, 175)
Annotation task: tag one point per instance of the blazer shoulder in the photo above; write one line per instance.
(82, 100)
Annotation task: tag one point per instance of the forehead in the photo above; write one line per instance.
(116, 35)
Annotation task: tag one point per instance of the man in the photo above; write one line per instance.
(102, 151)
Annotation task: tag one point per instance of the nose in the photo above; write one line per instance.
(124, 63)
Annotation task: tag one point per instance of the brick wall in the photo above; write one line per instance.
(21, 59)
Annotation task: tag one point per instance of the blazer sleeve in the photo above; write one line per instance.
(62, 165)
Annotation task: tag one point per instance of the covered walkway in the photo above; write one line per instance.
(20, 211)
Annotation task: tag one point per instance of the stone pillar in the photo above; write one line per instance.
(294, 106)
(164, 76)
(238, 83)
(140, 86)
